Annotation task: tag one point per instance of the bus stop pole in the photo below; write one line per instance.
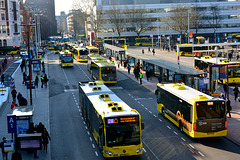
(29, 59)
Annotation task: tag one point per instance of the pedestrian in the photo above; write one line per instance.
(229, 107)
(110, 59)
(159, 79)
(113, 63)
(45, 138)
(43, 65)
(45, 80)
(19, 98)
(153, 51)
(24, 78)
(237, 56)
(140, 77)
(118, 63)
(137, 71)
(14, 94)
(42, 81)
(36, 81)
(222, 96)
(21, 66)
(225, 88)
(16, 155)
(235, 92)
(129, 68)
(13, 105)
(4, 154)
(40, 128)
(2, 79)
(43, 70)
(230, 56)
(142, 51)
(5, 61)
(147, 75)
(149, 49)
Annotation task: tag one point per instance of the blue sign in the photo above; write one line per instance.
(12, 124)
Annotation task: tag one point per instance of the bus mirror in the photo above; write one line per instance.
(142, 125)
(100, 130)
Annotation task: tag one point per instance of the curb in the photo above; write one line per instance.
(233, 141)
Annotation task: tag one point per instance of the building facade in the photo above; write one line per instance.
(46, 10)
(10, 23)
(158, 13)
(62, 24)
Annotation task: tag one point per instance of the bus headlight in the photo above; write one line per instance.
(108, 152)
(139, 150)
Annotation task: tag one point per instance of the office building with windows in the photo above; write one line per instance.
(157, 13)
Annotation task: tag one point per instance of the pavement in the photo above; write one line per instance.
(40, 99)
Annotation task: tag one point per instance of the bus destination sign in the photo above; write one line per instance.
(118, 120)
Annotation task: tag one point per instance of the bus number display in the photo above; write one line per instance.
(67, 55)
(118, 120)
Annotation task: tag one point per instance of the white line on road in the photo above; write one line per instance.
(96, 153)
(142, 105)
(146, 108)
(90, 138)
(150, 150)
(65, 76)
(86, 127)
(139, 102)
(93, 145)
(77, 105)
(79, 111)
(84, 72)
(168, 127)
(183, 139)
(154, 115)
(82, 118)
(175, 132)
(84, 122)
(191, 145)
(150, 112)
(88, 132)
(160, 120)
(144, 150)
(201, 154)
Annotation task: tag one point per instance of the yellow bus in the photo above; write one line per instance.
(66, 59)
(145, 41)
(219, 67)
(115, 126)
(196, 51)
(195, 113)
(92, 50)
(80, 54)
(51, 45)
(101, 69)
(57, 48)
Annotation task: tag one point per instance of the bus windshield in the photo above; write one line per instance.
(210, 110)
(67, 59)
(94, 51)
(123, 134)
(83, 52)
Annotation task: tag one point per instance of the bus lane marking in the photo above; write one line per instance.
(77, 105)
(79, 111)
(86, 127)
(84, 122)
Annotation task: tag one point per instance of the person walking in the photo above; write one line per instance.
(45, 80)
(153, 51)
(2, 79)
(4, 154)
(225, 88)
(43, 65)
(142, 51)
(147, 75)
(13, 105)
(118, 63)
(36, 81)
(21, 66)
(140, 77)
(235, 92)
(14, 94)
(229, 107)
(129, 68)
(24, 78)
(45, 138)
(149, 49)
(159, 79)
(42, 81)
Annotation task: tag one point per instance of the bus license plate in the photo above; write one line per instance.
(210, 133)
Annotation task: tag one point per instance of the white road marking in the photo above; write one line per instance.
(150, 150)
(142, 105)
(84, 122)
(183, 139)
(160, 120)
(88, 132)
(84, 72)
(150, 112)
(154, 115)
(139, 102)
(144, 150)
(86, 127)
(65, 76)
(90, 138)
(175, 132)
(93, 145)
(191, 146)
(77, 104)
(79, 110)
(82, 118)
(146, 108)
(96, 153)
(201, 154)
(168, 127)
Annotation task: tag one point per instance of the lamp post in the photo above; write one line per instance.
(188, 25)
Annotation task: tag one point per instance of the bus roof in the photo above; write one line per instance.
(185, 92)
(219, 61)
(65, 52)
(103, 105)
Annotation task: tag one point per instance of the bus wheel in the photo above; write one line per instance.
(180, 126)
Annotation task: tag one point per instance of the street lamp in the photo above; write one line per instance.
(188, 25)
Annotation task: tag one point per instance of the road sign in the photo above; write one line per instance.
(12, 125)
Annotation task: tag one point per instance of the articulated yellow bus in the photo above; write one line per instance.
(66, 59)
(101, 69)
(115, 126)
(195, 113)
(80, 54)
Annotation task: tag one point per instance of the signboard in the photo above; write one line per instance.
(119, 120)
(30, 141)
(28, 84)
(12, 125)
(22, 126)
(8, 145)
(190, 34)
(92, 36)
(121, 52)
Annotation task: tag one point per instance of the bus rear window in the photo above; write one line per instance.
(108, 70)
(210, 110)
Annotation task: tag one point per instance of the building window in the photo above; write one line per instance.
(4, 42)
(3, 16)
(15, 28)
(2, 4)
(4, 29)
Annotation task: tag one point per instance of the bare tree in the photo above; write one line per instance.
(215, 19)
(116, 18)
(138, 19)
(78, 27)
(178, 21)
(97, 21)
(196, 21)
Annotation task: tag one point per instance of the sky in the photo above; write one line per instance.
(62, 5)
